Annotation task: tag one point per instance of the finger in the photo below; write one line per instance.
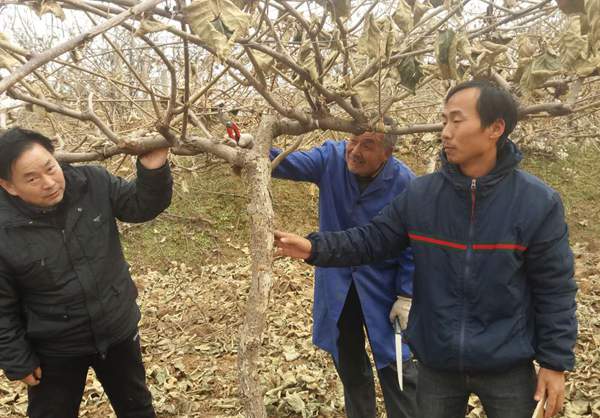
(550, 405)
(556, 405)
(540, 389)
(280, 242)
(37, 373)
(30, 380)
(560, 402)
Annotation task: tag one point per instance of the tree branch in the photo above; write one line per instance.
(42, 58)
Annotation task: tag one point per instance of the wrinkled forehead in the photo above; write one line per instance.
(32, 161)
(369, 137)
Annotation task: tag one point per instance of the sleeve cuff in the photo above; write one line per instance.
(552, 367)
(313, 237)
(152, 172)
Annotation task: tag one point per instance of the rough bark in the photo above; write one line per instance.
(257, 176)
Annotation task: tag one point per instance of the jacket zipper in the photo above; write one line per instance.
(467, 273)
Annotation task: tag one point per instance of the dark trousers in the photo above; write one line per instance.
(121, 373)
(506, 394)
(356, 372)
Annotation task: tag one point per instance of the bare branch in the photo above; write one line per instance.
(287, 152)
(42, 58)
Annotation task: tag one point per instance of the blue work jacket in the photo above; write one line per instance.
(494, 284)
(342, 206)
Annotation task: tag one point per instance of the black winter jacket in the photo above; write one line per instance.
(68, 291)
(493, 283)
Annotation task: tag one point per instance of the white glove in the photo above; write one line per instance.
(246, 140)
(400, 310)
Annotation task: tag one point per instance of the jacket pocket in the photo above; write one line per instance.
(94, 234)
(35, 274)
(46, 321)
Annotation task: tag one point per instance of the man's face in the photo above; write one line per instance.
(465, 142)
(365, 153)
(36, 178)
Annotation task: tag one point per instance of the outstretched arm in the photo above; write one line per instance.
(302, 165)
(384, 237)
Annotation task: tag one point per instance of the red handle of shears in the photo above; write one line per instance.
(233, 131)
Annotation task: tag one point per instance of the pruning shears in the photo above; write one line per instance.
(232, 130)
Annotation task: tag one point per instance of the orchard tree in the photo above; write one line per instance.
(152, 73)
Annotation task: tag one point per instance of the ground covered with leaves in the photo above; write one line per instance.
(192, 269)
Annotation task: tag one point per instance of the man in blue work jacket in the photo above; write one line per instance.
(356, 179)
(494, 287)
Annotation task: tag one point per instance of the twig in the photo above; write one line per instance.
(91, 116)
(287, 152)
(37, 60)
(186, 91)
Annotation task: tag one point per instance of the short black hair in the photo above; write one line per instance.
(14, 142)
(493, 103)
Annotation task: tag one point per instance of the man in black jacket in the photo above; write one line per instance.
(67, 301)
(494, 287)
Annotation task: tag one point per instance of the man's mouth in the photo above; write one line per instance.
(53, 194)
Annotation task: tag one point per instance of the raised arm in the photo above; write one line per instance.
(147, 196)
(303, 165)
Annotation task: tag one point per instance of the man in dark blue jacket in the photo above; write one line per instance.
(494, 287)
(356, 179)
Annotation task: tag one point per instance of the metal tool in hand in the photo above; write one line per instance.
(398, 332)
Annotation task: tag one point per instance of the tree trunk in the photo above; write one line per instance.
(257, 176)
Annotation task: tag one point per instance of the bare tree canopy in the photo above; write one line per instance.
(163, 65)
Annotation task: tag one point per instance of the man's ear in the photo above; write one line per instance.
(8, 186)
(496, 129)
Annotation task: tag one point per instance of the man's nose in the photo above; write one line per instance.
(355, 150)
(445, 132)
(48, 182)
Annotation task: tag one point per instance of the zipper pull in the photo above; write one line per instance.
(473, 196)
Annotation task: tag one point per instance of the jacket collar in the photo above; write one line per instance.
(508, 160)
